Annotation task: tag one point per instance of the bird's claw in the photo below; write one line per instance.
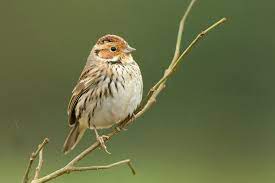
(101, 141)
(121, 128)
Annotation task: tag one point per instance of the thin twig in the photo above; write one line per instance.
(32, 158)
(151, 99)
(185, 52)
(39, 166)
(177, 49)
(68, 169)
(102, 167)
(195, 41)
(180, 31)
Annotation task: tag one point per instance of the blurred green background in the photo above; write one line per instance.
(214, 123)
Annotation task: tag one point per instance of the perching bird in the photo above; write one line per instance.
(109, 90)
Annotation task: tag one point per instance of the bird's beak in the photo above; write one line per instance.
(129, 49)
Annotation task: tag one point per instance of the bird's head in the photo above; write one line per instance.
(114, 49)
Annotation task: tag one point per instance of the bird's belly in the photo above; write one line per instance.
(113, 109)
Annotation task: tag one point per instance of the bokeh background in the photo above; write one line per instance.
(214, 123)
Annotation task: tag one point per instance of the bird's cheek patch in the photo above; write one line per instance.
(106, 54)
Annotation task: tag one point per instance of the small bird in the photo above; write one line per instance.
(109, 89)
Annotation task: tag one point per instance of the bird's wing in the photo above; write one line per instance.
(86, 81)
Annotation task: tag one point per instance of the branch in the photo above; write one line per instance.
(180, 31)
(127, 161)
(32, 158)
(176, 54)
(69, 168)
(195, 41)
(174, 64)
(39, 166)
(146, 104)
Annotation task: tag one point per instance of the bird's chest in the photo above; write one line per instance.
(116, 99)
(123, 101)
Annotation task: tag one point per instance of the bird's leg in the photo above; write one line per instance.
(100, 139)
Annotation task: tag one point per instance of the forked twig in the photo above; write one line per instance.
(180, 31)
(174, 64)
(70, 168)
(32, 158)
(148, 101)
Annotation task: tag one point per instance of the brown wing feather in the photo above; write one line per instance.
(86, 80)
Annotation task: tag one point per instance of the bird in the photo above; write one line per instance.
(108, 90)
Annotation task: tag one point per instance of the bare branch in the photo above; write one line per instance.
(180, 32)
(32, 158)
(195, 41)
(39, 166)
(146, 104)
(68, 169)
(127, 161)
(175, 57)
(184, 53)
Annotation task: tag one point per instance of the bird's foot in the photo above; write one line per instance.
(100, 139)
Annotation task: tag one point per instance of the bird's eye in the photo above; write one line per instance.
(113, 48)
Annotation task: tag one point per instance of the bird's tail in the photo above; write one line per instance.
(73, 138)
